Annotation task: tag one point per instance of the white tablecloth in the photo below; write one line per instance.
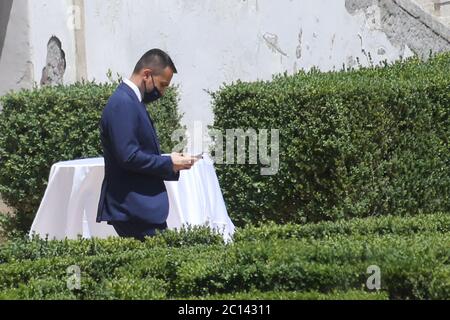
(69, 206)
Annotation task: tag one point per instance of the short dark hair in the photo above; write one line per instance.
(155, 59)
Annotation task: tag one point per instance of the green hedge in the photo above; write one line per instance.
(354, 143)
(43, 126)
(385, 225)
(270, 295)
(23, 249)
(412, 268)
(322, 262)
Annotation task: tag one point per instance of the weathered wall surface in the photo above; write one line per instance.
(16, 65)
(50, 19)
(404, 24)
(211, 41)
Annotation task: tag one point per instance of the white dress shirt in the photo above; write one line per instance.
(134, 87)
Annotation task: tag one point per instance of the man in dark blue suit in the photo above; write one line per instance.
(133, 197)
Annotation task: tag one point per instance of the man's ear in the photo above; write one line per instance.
(146, 73)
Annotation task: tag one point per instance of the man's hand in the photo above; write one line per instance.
(182, 162)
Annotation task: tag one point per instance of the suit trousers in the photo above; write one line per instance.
(137, 229)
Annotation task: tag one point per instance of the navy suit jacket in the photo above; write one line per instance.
(133, 187)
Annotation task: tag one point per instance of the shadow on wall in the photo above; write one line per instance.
(5, 12)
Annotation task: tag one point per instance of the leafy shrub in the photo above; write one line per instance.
(383, 225)
(21, 249)
(293, 295)
(308, 263)
(354, 143)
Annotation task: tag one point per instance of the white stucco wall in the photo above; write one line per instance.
(16, 65)
(49, 18)
(211, 41)
(221, 41)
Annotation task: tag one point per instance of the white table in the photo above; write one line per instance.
(69, 206)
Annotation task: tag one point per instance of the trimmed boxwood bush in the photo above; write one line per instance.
(320, 262)
(46, 125)
(292, 295)
(354, 143)
(23, 249)
(407, 226)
